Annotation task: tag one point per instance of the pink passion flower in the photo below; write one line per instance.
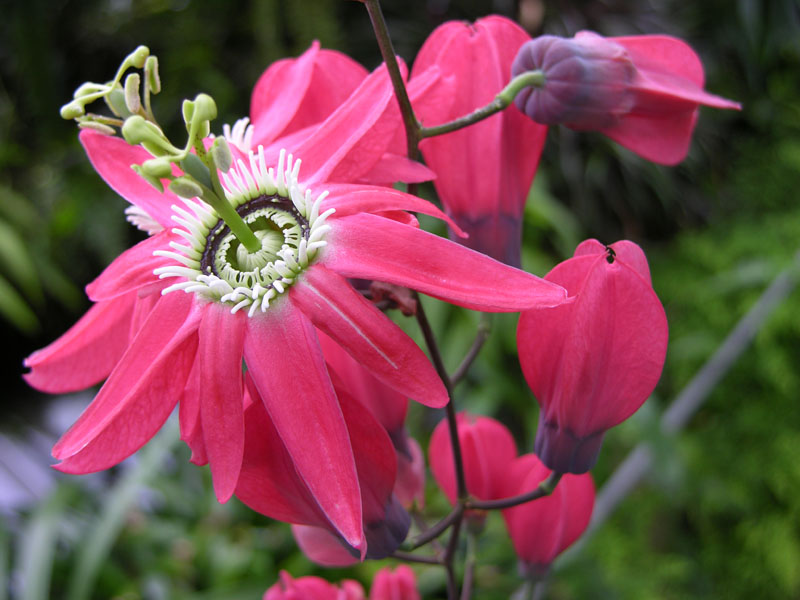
(592, 363)
(177, 314)
(483, 172)
(641, 91)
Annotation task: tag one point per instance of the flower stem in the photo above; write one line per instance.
(484, 328)
(545, 488)
(415, 558)
(387, 51)
(438, 529)
(500, 102)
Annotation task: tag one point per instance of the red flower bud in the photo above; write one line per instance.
(642, 91)
(593, 362)
(399, 584)
(542, 529)
(313, 588)
(487, 448)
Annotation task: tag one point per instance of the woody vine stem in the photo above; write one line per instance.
(453, 521)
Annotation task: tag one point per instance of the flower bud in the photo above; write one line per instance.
(542, 529)
(592, 362)
(641, 91)
(487, 448)
(400, 584)
(587, 81)
(185, 188)
(313, 588)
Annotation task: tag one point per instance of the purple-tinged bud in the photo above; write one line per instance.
(587, 81)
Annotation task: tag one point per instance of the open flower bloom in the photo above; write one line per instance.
(641, 91)
(313, 588)
(400, 584)
(592, 363)
(542, 529)
(484, 171)
(224, 305)
(487, 448)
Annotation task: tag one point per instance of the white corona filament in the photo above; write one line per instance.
(267, 273)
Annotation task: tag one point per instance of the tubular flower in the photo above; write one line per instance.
(542, 529)
(487, 448)
(224, 304)
(400, 584)
(641, 91)
(592, 363)
(313, 588)
(483, 171)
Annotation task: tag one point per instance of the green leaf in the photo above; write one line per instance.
(14, 308)
(18, 264)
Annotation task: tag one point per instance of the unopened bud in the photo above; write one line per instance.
(157, 167)
(185, 188)
(587, 81)
(133, 101)
(154, 181)
(221, 152)
(151, 74)
(138, 57)
(136, 130)
(72, 110)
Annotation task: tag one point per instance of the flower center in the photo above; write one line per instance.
(281, 214)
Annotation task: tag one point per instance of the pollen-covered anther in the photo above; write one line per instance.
(282, 214)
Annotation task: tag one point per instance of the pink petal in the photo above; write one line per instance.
(112, 158)
(388, 406)
(400, 584)
(268, 482)
(394, 167)
(140, 392)
(369, 247)
(579, 498)
(220, 347)
(132, 269)
(285, 361)
(661, 139)
(85, 354)
(353, 139)
(295, 93)
(322, 546)
(189, 417)
(368, 335)
(349, 199)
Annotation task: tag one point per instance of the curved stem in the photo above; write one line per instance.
(414, 558)
(484, 329)
(500, 102)
(434, 532)
(545, 488)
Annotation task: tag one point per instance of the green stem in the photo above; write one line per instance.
(216, 198)
(500, 102)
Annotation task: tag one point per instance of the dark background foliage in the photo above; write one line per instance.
(718, 515)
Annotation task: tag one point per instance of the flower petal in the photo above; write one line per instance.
(220, 347)
(85, 354)
(285, 361)
(132, 269)
(368, 335)
(112, 158)
(349, 199)
(294, 93)
(140, 392)
(370, 247)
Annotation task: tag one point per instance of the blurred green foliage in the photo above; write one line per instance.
(719, 516)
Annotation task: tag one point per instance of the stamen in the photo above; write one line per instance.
(284, 216)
